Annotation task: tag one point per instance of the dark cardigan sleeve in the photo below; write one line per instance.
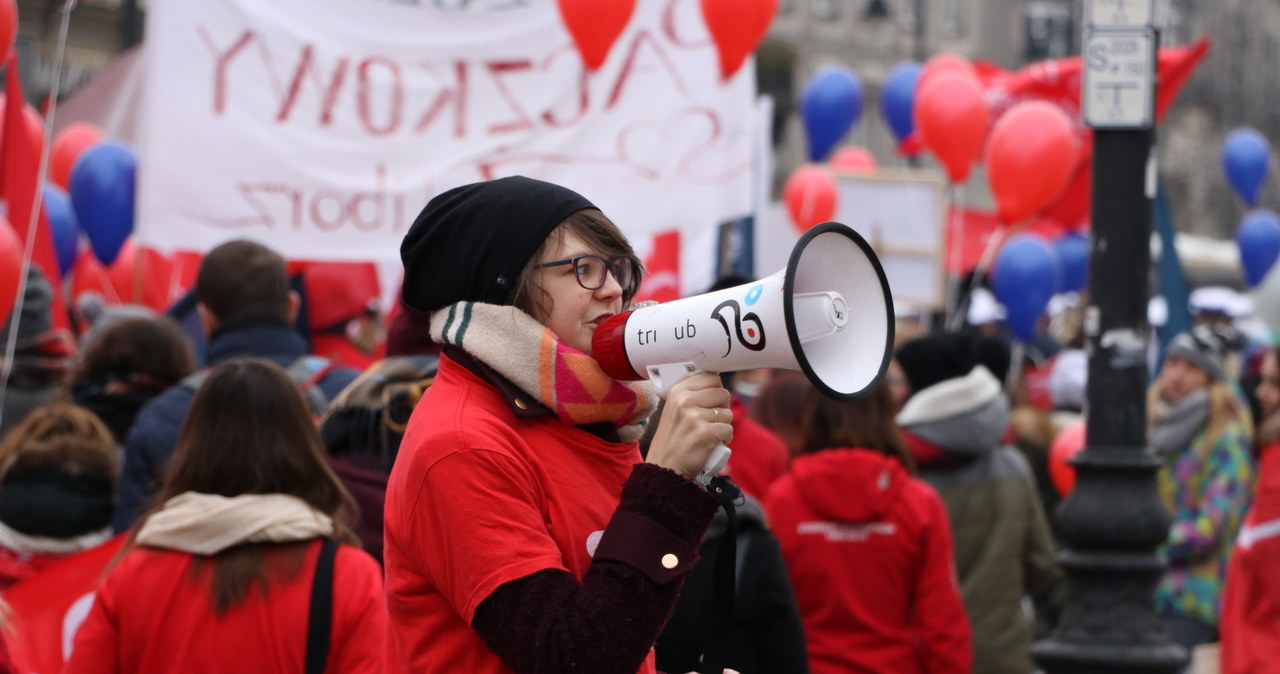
(550, 623)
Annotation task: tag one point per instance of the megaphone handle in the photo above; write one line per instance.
(717, 461)
(666, 375)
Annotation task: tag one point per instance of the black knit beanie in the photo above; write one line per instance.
(935, 358)
(471, 242)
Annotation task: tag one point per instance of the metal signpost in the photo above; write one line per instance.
(1113, 521)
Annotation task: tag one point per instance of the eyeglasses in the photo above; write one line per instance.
(591, 271)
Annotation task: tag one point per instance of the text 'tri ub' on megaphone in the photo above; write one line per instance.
(828, 313)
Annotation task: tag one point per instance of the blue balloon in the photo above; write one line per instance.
(1024, 279)
(1246, 157)
(1072, 250)
(102, 194)
(831, 105)
(63, 227)
(1259, 242)
(898, 99)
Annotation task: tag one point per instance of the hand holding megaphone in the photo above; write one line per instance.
(828, 313)
(695, 424)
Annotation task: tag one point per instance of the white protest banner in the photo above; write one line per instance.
(321, 127)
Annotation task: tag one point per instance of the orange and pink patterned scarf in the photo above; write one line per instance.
(530, 356)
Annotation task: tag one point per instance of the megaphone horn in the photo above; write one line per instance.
(828, 313)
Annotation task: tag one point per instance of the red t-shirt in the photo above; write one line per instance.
(151, 614)
(479, 498)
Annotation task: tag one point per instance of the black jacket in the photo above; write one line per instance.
(767, 634)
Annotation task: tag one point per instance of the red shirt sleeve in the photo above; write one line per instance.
(941, 624)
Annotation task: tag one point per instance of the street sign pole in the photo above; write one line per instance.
(1113, 521)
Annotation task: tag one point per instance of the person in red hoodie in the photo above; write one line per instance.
(1249, 626)
(868, 547)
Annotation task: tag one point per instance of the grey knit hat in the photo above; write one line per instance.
(1203, 348)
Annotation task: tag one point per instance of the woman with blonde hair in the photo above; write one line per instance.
(1200, 428)
(233, 568)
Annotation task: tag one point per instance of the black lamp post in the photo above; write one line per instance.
(1113, 520)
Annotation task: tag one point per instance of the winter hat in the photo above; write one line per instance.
(1203, 348)
(935, 358)
(58, 473)
(471, 242)
(37, 313)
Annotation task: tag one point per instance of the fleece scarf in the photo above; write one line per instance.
(206, 524)
(529, 355)
(1175, 424)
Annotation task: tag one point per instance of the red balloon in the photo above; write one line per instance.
(34, 125)
(8, 27)
(952, 119)
(810, 195)
(595, 26)
(854, 158)
(1030, 158)
(157, 272)
(1068, 443)
(944, 63)
(737, 27)
(10, 269)
(68, 145)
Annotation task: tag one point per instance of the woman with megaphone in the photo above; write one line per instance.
(523, 531)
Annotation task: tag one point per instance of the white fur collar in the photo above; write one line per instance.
(951, 397)
(26, 544)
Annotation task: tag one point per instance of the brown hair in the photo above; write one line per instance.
(866, 423)
(780, 407)
(249, 431)
(599, 234)
(242, 279)
(152, 346)
(63, 436)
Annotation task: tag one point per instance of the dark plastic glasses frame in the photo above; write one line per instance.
(611, 267)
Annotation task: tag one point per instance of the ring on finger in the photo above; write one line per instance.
(716, 412)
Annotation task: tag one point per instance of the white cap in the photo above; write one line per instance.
(1219, 300)
(983, 307)
(1157, 311)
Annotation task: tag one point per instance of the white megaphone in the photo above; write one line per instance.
(828, 314)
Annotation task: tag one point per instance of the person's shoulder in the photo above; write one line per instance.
(167, 409)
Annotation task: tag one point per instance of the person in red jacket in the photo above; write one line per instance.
(868, 547)
(1249, 626)
(219, 575)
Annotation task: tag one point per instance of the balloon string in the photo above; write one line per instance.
(11, 343)
(955, 233)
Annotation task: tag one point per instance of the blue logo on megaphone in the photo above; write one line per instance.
(753, 295)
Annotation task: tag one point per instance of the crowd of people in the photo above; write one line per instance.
(482, 497)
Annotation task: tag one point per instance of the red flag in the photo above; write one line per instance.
(46, 609)
(19, 178)
(662, 270)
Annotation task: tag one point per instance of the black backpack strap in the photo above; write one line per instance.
(320, 617)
